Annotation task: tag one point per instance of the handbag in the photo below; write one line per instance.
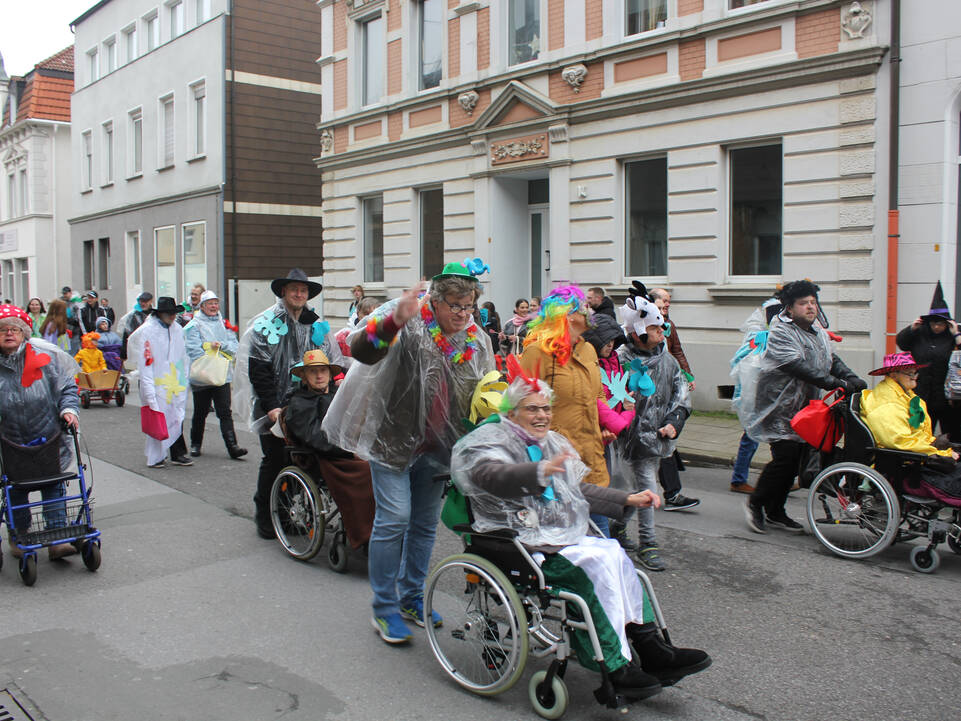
(818, 423)
(210, 369)
(153, 423)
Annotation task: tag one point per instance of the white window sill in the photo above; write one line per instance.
(107, 185)
(86, 191)
(197, 157)
(165, 168)
(135, 176)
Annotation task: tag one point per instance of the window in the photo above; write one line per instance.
(374, 67)
(130, 43)
(23, 290)
(524, 30)
(86, 161)
(136, 141)
(431, 38)
(152, 28)
(431, 232)
(108, 153)
(133, 258)
(195, 254)
(24, 194)
(11, 196)
(734, 4)
(8, 276)
(175, 11)
(166, 132)
(203, 11)
(644, 15)
(198, 132)
(103, 263)
(110, 54)
(646, 212)
(93, 65)
(88, 267)
(374, 239)
(165, 242)
(756, 210)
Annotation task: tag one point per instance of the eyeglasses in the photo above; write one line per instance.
(458, 309)
(910, 374)
(534, 409)
(10, 329)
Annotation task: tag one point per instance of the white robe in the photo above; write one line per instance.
(164, 381)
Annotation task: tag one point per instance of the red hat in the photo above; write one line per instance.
(9, 311)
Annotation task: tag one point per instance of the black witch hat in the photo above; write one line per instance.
(939, 306)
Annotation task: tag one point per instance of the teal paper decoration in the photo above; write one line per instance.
(271, 328)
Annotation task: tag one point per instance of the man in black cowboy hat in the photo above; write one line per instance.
(275, 342)
(930, 339)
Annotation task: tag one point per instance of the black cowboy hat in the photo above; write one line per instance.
(295, 276)
(166, 304)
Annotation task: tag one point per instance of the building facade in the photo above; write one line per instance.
(715, 147)
(35, 258)
(194, 145)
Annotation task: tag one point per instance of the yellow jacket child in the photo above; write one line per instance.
(89, 357)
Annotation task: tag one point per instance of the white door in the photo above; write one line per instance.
(539, 233)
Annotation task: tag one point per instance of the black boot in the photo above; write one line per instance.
(233, 450)
(661, 659)
(619, 531)
(196, 435)
(634, 683)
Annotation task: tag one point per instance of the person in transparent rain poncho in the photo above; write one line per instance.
(417, 362)
(37, 393)
(273, 343)
(662, 407)
(520, 475)
(796, 366)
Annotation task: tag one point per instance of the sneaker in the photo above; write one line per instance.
(158, 464)
(742, 488)
(619, 532)
(181, 461)
(414, 611)
(391, 628)
(679, 503)
(650, 558)
(783, 521)
(634, 682)
(195, 450)
(755, 517)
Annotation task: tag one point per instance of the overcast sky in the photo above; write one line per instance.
(33, 30)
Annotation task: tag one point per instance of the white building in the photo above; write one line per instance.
(35, 259)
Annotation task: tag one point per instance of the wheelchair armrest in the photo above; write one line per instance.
(501, 534)
(904, 456)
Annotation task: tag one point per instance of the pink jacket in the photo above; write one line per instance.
(614, 419)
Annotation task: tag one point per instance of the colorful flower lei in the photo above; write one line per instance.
(440, 340)
(372, 336)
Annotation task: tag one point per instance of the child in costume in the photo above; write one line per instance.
(89, 356)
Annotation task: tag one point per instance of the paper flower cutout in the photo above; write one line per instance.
(271, 328)
(319, 331)
(616, 383)
(487, 396)
(915, 413)
(476, 266)
(170, 382)
(32, 363)
(537, 455)
(147, 353)
(641, 381)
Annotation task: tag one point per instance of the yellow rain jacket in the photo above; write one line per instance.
(885, 410)
(89, 357)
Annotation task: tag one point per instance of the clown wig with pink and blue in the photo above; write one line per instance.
(550, 330)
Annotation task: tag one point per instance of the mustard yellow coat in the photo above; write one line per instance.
(90, 360)
(885, 411)
(577, 386)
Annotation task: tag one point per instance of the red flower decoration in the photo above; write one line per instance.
(147, 353)
(32, 363)
(230, 326)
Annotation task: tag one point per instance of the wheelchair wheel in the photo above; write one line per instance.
(924, 560)
(337, 554)
(852, 510)
(483, 643)
(549, 703)
(298, 511)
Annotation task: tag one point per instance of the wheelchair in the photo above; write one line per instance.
(303, 512)
(498, 610)
(875, 497)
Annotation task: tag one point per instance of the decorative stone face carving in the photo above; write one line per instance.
(855, 20)
(574, 75)
(468, 101)
(326, 140)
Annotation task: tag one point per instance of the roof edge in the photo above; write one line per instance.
(89, 12)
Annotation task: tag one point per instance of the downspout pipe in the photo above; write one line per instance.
(235, 304)
(894, 235)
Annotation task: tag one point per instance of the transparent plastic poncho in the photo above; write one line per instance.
(409, 404)
(671, 393)
(271, 338)
(538, 521)
(28, 414)
(777, 396)
(746, 363)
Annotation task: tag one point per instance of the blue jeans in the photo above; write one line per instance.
(645, 479)
(742, 464)
(603, 524)
(408, 506)
(54, 514)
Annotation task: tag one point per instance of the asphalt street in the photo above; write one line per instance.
(192, 616)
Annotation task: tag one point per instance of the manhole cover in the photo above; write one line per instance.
(10, 708)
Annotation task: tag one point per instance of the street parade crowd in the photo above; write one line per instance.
(559, 424)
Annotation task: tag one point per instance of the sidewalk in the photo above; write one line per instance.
(710, 440)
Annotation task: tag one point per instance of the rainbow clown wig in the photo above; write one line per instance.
(550, 330)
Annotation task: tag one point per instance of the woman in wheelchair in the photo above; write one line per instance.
(347, 477)
(520, 475)
(899, 420)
